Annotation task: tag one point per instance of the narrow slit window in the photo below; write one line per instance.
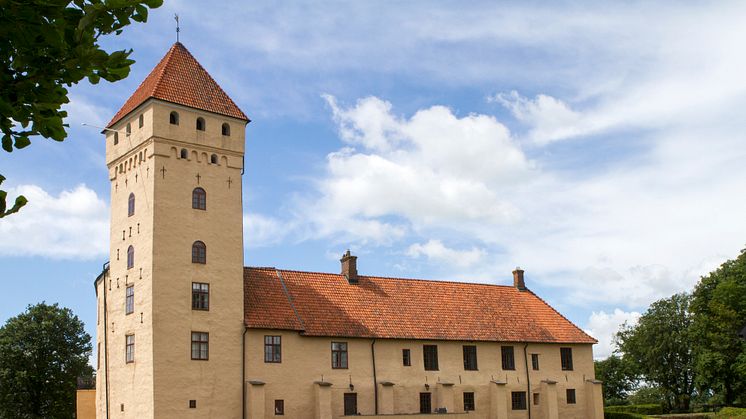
(535, 362)
(199, 252)
(129, 129)
(140, 121)
(116, 138)
(129, 348)
(129, 300)
(406, 356)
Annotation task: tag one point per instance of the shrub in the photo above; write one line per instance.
(643, 409)
(731, 413)
(621, 415)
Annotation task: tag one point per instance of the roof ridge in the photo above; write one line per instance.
(445, 281)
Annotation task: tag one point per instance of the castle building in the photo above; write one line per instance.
(186, 331)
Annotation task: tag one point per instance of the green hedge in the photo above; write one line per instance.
(731, 413)
(621, 415)
(642, 409)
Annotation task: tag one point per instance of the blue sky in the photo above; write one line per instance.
(598, 146)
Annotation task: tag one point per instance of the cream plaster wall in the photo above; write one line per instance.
(306, 360)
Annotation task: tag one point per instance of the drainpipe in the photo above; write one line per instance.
(528, 381)
(375, 381)
(243, 373)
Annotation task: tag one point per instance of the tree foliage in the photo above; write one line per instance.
(659, 347)
(719, 313)
(619, 379)
(42, 353)
(47, 46)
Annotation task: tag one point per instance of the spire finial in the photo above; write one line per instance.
(176, 17)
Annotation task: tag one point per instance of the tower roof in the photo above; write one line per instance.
(180, 79)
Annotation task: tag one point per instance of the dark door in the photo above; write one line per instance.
(425, 405)
(350, 404)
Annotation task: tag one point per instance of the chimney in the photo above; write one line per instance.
(349, 267)
(518, 279)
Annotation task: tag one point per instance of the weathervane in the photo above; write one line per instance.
(176, 17)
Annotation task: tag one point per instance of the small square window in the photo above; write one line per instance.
(192, 404)
(570, 396)
(339, 355)
(518, 400)
(279, 407)
(468, 401)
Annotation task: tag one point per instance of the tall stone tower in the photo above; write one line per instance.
(170, 305)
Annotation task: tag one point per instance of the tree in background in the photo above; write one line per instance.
(719, 313)
(619, 379)
(43, 351)
(659, 348)
(46, 46)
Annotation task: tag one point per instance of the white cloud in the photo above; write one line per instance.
(71, 225)
(437, 252)
(550, 118)
(433, 169)
(604, 326)
(260, 230)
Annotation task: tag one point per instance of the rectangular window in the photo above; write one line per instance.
(339, 355)
(468, 401)
(129, 348)
(518, 400)
(536, 398)
(566, 356)
(570, 396)
(430, 355)
(200, 296)
(272, 349)
(508, 358)
(350, 403)
(192, 404)
(470, 357)
(406, 357)
(535, 362)
(425, 403)
(200, 345)
(279, 407)
(129, 300)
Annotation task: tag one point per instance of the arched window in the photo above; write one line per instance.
(141, 121)
(130, 257)
(214, 159)
(184, 154)
(199, 199)
(226, 129)
(173, 118)
(200, 124)
(116, 138)
(131, 205)
(199, 252)
(129, 129)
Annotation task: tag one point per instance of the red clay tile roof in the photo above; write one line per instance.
(323, 304)
(180, 79)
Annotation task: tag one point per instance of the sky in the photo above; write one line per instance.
(598, 146)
